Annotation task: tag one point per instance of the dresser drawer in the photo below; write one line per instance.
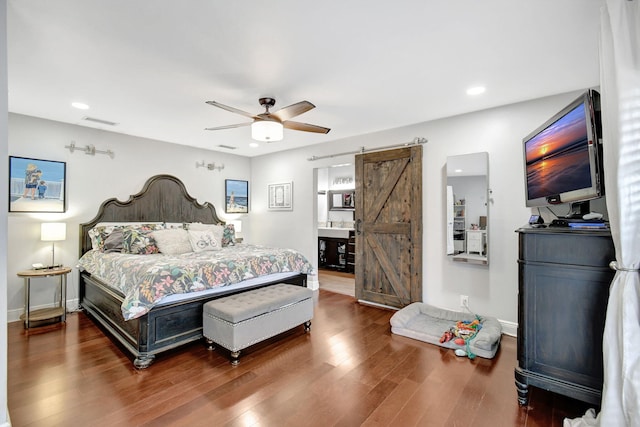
(563, 248)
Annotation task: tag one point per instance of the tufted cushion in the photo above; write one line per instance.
(245, 305)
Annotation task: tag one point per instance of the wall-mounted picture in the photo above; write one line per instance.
(281, 196)
(36, 185)
(236, 194)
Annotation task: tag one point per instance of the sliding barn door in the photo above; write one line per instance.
(389, 226)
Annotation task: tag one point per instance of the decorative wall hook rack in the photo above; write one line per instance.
(88, 149)
(210, 166)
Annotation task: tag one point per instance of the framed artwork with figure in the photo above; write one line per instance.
(36, 185)
(236, 195)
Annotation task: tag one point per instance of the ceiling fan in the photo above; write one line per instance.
(269, 126)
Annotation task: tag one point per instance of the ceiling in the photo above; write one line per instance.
(150, 65)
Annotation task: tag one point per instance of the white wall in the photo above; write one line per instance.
(492, 290)
(499, 131)
(90, 181)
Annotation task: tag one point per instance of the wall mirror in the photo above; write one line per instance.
(468, 208)
(342, 200)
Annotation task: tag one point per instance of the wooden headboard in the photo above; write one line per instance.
(163, 198)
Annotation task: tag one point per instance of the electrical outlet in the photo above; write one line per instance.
(464, 301)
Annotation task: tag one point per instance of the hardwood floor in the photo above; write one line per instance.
(336, 281)
(348, 371)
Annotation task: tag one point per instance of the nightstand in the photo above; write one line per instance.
(45, 313)
(476, 241)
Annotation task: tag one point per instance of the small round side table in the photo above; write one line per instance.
(45, 313)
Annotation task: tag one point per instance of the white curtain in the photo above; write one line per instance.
(620, 90)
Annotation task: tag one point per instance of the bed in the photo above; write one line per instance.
(174, 321)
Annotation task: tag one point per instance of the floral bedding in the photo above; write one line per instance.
(146, 279)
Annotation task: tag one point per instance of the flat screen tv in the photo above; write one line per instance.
(563, 157)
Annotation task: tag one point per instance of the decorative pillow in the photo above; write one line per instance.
(169, 225)
(229, 235)
(228, 231)
(101, 231)
(205, 240)
(173, 241)
(138, 241)
(198, 226)
(114, 241)
(99, 234)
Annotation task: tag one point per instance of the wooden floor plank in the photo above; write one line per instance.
(349, 370)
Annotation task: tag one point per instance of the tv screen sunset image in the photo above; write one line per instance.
(557, 159)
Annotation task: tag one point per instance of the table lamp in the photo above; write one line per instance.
(53, 232)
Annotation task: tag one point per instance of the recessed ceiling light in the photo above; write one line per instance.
(80, 105)
(476, 90)
(254, 144)
(458, 171)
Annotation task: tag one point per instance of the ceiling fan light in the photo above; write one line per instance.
(267, 130)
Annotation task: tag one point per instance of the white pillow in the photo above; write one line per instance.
(173, 241)
(198, 226)
(205, 240)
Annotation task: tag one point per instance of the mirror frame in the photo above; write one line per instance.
(467, 165)
(344, 195)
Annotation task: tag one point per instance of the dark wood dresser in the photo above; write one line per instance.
(563, 289)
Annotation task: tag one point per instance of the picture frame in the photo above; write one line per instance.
(236, 196)
(37, 185)
(280, 196)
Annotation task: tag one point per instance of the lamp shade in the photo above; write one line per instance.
(267, 130)
(53, 231)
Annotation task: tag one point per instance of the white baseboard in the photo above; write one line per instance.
(509, 328)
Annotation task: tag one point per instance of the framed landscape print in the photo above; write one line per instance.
(236, 196)
(36, 185)
(281, 196)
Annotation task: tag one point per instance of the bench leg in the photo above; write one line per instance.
(235, 356)
(307, 326)
(210, 345)
(143, 361)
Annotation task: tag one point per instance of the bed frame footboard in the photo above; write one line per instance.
(163, 328)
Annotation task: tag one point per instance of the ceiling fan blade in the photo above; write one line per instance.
(286, 113)
(305, 127)
(233, 110)
(239, 125)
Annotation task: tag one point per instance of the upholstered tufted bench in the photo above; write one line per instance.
(241, 320)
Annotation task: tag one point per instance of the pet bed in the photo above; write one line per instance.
(426, 323)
